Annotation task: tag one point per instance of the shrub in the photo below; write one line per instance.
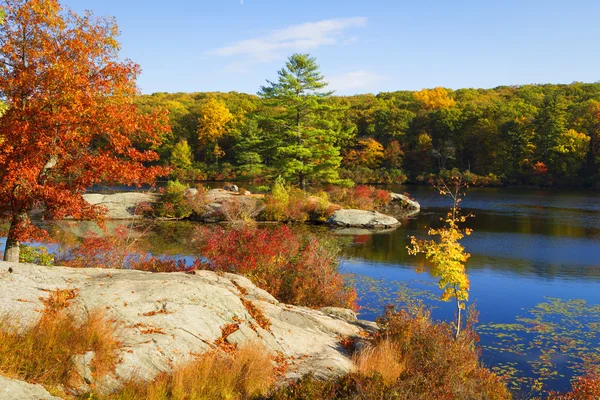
(177, 202)
(247, 373)
(117, 251)
(242, 210)
(35, 255)
(381, 359)
(352, 386)
(290, 204)
(44, 353)
(285, 203)
(584, 388)
(438, 365)
(295, 268)
(411, 358)
(359, 197)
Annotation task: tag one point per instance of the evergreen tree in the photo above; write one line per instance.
(303, 129)
(551, 123)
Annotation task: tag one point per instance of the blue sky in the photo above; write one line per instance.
(362, 46)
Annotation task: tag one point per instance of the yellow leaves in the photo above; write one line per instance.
(447, 256)
(369, 152)
(572, 142)
(434, 99)
(213, 119)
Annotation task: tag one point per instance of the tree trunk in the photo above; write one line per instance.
(458, 319)
(13, 246)
(302, 182)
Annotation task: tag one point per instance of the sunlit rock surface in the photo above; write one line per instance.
(166, 317)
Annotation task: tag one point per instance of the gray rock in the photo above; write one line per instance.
(343, 313)
(406, 202)
(224, 205)
(12, 389)
(361, 231)
(121, 205)
(186, 313)
(191, 192)
(362, 219)
(83, 365)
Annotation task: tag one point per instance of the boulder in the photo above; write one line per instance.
(121, 205)
(12, 389)
(168, 317)
(406, 202)
(225, 205)
(362, 219)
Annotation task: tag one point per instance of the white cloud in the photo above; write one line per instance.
(295, 38)
(353, 81)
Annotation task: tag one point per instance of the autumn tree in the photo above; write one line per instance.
(303, 132)
(214, 117)
(181, 156)
(434, 99)
(569, 152)
(70, 119)
(446, 254)
(368, 152)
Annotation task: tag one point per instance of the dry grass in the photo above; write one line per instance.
(246, 373)
(380, 358)
(44, 353)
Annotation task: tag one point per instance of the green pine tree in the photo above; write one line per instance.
(303, 128)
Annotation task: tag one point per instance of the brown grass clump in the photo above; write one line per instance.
(44, 353)
(381, 358)
(246, 373)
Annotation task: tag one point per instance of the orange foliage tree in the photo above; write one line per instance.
(70, 120)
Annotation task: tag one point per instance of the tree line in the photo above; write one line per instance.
(542, 135)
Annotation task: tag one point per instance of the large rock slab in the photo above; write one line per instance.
(121, 205)
(167, 317)
(362, 219)
(12, 389)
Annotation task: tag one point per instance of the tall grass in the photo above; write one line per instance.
(45, 353)
(383, 359)
(248, 372)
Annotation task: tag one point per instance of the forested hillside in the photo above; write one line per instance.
(543, 135)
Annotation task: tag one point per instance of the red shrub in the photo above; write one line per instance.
(117, 251)
(294, 268)
(360, 197)
(585, 388)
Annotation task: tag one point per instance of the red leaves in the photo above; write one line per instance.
(586, 387)
(540, 169)
(361, 197)
(294, 268)
(70, 120)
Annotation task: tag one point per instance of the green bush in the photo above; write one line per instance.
(35, 255)
(176, 202)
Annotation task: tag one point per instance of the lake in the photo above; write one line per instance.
(534, 273)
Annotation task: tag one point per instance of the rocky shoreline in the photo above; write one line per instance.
(127, 206)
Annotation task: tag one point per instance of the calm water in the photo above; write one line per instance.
(528, 248)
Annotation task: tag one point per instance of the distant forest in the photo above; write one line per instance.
(542, 135)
